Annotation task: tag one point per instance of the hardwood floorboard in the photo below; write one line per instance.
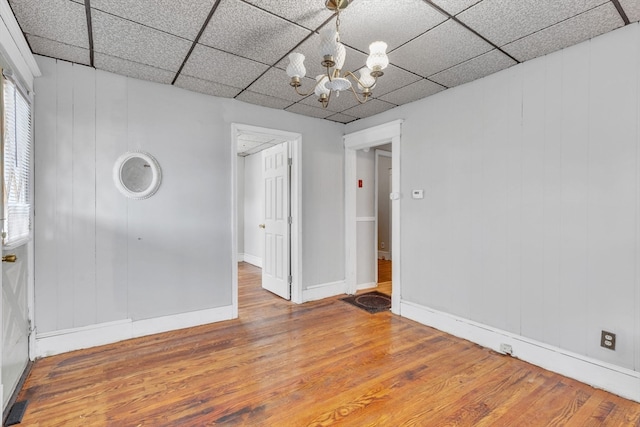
(321, 363)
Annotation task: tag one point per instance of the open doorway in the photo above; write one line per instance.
(383, 228)
(249, 242)
(366, 139)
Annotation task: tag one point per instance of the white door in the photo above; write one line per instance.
(275, 265)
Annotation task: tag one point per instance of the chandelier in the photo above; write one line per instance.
(333, 55)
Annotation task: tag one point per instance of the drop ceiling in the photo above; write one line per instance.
(238, 48)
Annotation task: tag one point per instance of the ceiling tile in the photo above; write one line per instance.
(263, 100)
(393, 78)
(221, 67)
(370, 108)
(413, 92)
(505, 21)
(341, 118)
(127, 40)
(309, 14)
(365, 21)
(205, 86)
(182, 18)
(132, 69)
(455, 6)
(245, 30)
(59, 50)
(310, 49)
(632, 9)
(244, 146)
(275, 82)
(306, 110)
(575, 30)
(60, 20)
(443, 47)
(473, 69)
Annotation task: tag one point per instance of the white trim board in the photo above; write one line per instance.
(57, 342)
(615, 379)
(324, 290)
(253, 260)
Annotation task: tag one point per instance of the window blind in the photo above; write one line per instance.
(17, 165)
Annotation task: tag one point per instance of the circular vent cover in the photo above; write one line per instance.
(137, 175)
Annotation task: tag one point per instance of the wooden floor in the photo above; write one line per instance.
(315, 364)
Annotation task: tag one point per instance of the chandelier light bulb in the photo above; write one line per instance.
(377, 60)
(341, 55)
(320, 87)
(367, 81)
(296, 65)
(328, 41)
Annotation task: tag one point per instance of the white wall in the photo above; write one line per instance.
(384, 206)
(240, 213)
(530, 221)
(101, 257)
(253, 209)
(365, 216)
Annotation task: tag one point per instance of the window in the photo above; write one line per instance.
(16, 225)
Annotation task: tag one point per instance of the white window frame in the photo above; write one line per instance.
(17, 145)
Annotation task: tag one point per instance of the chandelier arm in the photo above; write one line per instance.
(308, 93)
(355, 94)
(349, 73)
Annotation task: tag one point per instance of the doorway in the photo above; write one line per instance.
(293, 143)
(383, 227)
(368, 138)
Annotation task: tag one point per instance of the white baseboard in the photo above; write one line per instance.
(369, 285)
(240, 257)
(57, 342)
(324, 290)
(253, 260)
(615, 379)
(384, 255)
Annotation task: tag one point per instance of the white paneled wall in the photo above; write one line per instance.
(530, 221)
(101, 258)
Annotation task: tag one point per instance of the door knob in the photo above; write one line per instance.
(9, 258)
(261, 226)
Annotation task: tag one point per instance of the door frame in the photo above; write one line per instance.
(294, 141)
(368, 138)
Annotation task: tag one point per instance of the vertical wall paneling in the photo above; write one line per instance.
(612, 193)
(513, 173)
(84, 197)
(45, 183)
(533, 208)
(567, 175)
(111, 111)
(552, 149)
(574, 193)
(64, 195)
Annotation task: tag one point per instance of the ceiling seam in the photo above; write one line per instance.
(195, 41)
(621, 11)
(87, 9)
(468, 28)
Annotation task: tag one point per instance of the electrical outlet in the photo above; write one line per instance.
(608, 340)
(506, 348)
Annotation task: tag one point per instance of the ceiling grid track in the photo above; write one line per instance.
(468, 28)
(87, 8)
(621, 11)
(195, 41)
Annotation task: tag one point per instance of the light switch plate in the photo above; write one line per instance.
(417, 194)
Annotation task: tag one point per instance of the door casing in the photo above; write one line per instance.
(295, 143)
(367, 138)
